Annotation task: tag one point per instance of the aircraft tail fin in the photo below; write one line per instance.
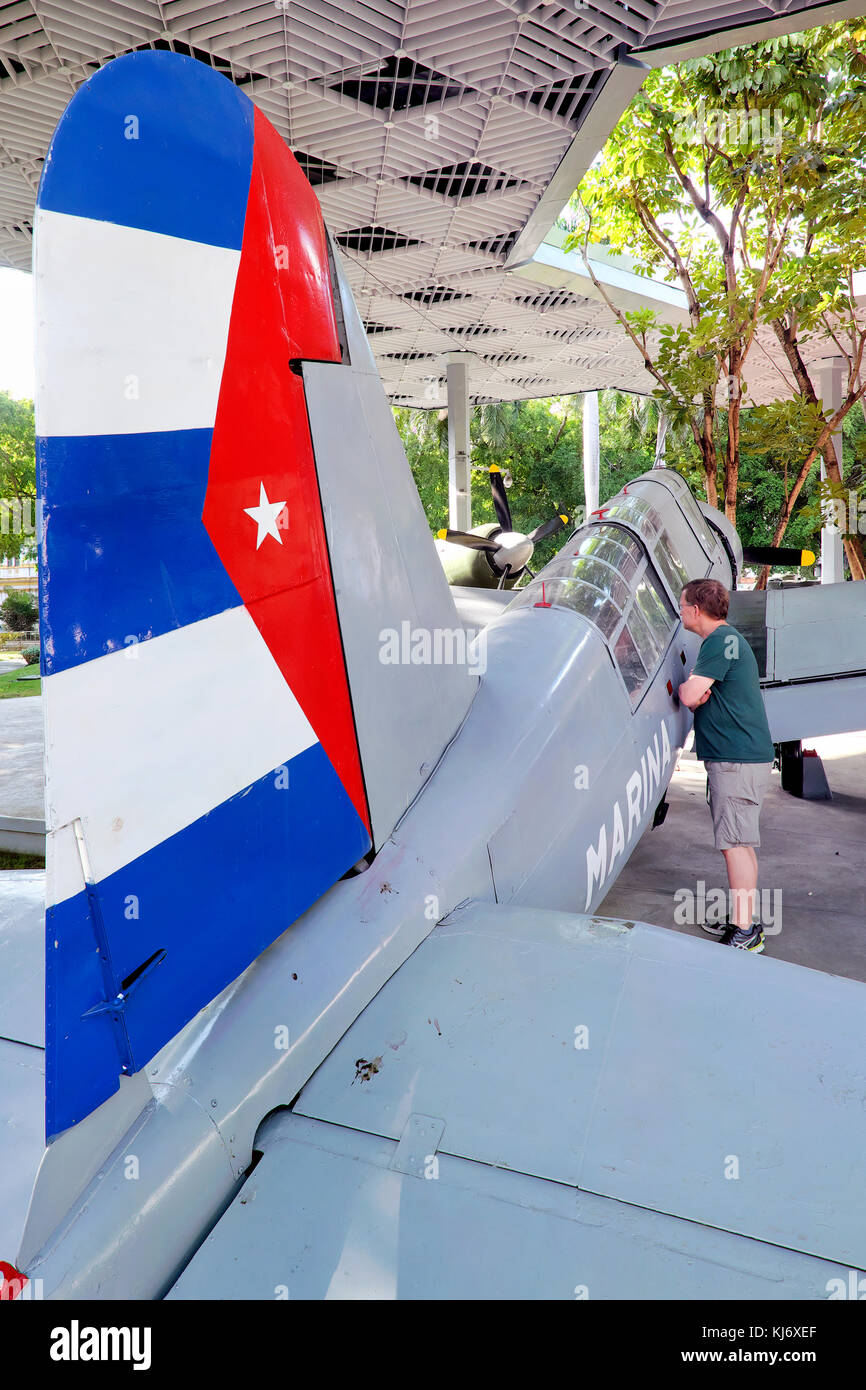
(202, 694)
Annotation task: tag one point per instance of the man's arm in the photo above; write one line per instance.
(695, 691)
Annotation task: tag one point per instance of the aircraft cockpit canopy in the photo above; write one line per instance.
(642, 515)
(607, 577)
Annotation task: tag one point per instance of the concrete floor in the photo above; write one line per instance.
(22, 809)
(813, 854)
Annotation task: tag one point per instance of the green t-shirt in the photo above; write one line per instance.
(731, 727)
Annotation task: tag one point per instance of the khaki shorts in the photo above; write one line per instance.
(735, 792)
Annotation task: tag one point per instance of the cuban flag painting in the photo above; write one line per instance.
(203, 781)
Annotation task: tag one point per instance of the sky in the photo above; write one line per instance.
(16, 333)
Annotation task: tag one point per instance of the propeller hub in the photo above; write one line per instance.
(514, 550)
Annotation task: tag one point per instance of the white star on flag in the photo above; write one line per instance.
(265, 516)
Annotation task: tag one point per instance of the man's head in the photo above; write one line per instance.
(703, 605)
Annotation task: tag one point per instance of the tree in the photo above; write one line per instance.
(537, 444)
(17, 476)
(543, 451)
(18, 611)
(739, 176)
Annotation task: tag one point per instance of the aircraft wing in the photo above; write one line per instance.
(810, 645)
(545, 1105)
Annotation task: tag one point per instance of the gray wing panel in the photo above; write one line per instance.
(810, 644)
(22, 1086)
(478, 607)
(628, 1061)
(809, 709)
(817, 630)
(330, 1213)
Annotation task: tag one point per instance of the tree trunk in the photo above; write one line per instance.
(709, 457)
(853, 544)
(732, 462)
(732, 445)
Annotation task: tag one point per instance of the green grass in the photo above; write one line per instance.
(10, 860)
(11, 687)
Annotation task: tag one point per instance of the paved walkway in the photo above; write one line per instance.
(812, 860)
(21, 745)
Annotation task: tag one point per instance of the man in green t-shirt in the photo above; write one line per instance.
(732, 739)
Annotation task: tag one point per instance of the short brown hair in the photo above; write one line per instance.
(710, 595)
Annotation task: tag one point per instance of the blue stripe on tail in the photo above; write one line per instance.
(141, 147)
(237, 878)
(124, 553)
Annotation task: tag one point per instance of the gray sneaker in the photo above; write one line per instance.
(716, 929)
(751, 940)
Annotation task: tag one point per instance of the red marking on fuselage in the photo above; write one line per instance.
(283, 310)
(12, 1281)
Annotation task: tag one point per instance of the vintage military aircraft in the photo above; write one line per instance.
(494, 555)
(327, 1009)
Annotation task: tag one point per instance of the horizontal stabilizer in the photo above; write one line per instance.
(603, 1037)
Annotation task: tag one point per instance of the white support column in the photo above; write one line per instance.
(661, 436)
(832, 570)
(591, 450)
(459, 455)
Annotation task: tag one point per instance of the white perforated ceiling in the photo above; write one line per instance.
(442, 136)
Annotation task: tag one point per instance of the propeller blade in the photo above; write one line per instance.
(548, 528)
(776, 555)
(500, 498)
(466, 538)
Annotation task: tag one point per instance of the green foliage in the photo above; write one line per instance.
(31, 656)
(17, 476)
(13, 688)
(739, 176)
(540, 443)
(18, 611)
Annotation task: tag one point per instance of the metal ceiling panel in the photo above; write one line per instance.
(385, 90)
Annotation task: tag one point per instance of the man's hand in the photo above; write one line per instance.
(695, 691)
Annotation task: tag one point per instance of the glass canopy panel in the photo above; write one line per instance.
(612, 553)
(654, 608)
(623, 538)
(601, 576)
(582, 598)
(645, 639)
(638, 513)
(670, 565)
(629, 662)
